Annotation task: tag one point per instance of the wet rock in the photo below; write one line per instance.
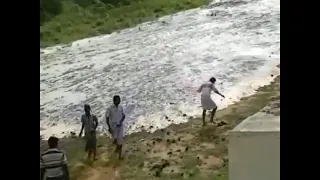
(158, 173)
(221, 123)
(141, 165)
(187, 149)
(158, 140)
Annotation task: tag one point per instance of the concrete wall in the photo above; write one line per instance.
(254, 149)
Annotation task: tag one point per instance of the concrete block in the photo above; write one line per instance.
(254, 148)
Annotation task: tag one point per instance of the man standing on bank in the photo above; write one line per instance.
(206, 101)
(89, 124)
(114, 119)
(53, 162)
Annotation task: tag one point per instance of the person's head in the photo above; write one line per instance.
(53, 142)
(116, 100)
(212, 80)
(87, 109)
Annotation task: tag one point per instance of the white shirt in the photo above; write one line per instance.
(206, 89)
(115, 115)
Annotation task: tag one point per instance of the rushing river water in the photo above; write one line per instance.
(157, 66)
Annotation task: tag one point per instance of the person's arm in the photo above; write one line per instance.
(123, 117)
(216, 91)
(82, 126)
(95, 119)
(42, 169)
(108, 120)
(65, 167)
(200, 89)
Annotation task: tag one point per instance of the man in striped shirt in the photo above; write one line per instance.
(53, 162)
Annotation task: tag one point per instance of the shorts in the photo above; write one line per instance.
(91, 142)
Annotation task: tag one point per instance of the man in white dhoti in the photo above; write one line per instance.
(115, 118)
(206, 101)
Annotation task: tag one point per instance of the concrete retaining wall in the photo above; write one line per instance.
(254, 149)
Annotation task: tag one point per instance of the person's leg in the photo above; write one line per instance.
(120, 152)
(94, 150)
(204, 117)
(213, 112)
(120, 136)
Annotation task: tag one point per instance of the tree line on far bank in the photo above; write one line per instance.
(52, 8)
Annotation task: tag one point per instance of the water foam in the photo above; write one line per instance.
(157, 66)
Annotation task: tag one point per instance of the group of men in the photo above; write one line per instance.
(53, 162)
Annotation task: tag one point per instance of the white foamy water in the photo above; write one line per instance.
(157, 66)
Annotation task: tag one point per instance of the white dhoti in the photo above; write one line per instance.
(207, 103)
(118, 134)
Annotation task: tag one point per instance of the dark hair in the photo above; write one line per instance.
(116, 97)
(213, 80)
(87, 106)
(53, 142)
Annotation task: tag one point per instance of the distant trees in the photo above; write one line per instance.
(49, 9)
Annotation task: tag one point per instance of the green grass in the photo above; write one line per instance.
(94, 17)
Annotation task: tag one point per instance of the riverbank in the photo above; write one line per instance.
(65, 21)
(185, 151)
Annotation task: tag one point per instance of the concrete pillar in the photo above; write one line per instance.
(254, 149)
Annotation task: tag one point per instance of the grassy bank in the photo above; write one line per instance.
(62, 21)
(184, 151)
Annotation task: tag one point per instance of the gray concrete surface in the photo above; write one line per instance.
(254, 148)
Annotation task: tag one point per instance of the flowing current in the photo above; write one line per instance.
(156, 67)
